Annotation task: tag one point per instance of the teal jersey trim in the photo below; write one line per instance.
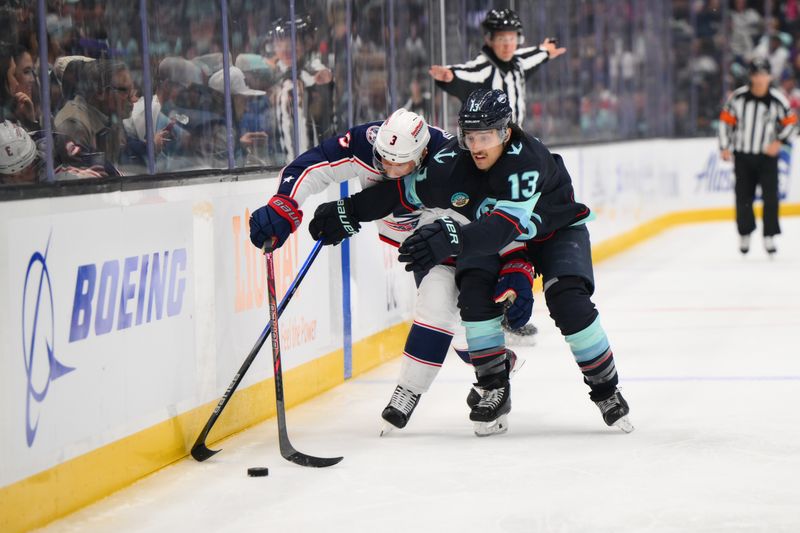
(410, 189)
(522, 211)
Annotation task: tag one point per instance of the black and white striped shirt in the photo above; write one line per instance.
(748, 124)
(487, 71)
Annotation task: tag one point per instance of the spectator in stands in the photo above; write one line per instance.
(25, 74)
(21, 163)
(419, 99)
(258, 115)
(171, 140)
(66, 73)
(92, 120)
(15, 105)
(216, 145)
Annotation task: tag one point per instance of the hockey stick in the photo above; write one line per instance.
(200, 451)
(287, 450)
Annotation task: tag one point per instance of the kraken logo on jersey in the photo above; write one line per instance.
(459, 199)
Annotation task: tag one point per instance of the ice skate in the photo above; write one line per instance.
(399, 410)
(476, 393)
(490, 414)
(524, 336)
(615, 411)
(769, 245)
(744, 243)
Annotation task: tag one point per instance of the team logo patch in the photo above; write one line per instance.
(459, 199)
(372, 134)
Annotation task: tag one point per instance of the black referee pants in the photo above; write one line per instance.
(752, 170)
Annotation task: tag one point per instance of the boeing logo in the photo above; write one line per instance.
(117, 299)
(38, 339)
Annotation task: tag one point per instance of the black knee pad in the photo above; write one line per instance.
(476, 295)
(570, 304)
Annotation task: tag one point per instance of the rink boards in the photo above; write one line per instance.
(125, 315)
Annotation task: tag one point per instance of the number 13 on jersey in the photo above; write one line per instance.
(524, 186)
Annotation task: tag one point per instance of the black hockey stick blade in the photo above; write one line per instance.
(201, 452)
(302, 459)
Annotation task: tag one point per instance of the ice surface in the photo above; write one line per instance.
(706, 342)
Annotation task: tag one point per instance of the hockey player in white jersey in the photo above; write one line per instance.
(375, 152)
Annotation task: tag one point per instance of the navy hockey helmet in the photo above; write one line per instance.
(502, 20)
(484, 109)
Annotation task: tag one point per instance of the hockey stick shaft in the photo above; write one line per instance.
(287, 450)
(200, 451)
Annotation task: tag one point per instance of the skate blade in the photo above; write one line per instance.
(624, 424)
(386, 429)
(517, 366)
(495, 427)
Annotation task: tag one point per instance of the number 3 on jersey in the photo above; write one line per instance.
(525, 186)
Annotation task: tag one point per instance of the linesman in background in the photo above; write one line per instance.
(501, 63)
(755, 122)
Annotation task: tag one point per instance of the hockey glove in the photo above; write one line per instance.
(278, 219)
(515, 287)
(334, 221)
(431, 244)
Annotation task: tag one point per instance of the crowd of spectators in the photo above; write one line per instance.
(634, 68)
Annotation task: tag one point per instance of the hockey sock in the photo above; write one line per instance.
(487, 350)
(425, 350)
(593, 354)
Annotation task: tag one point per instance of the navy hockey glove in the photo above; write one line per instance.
(431, 244)
(515, 286)
(334, 221)
(278, 219)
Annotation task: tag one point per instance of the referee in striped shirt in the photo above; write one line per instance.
(500, 65)
(754, 123)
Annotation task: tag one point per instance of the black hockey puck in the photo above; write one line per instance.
(258, 471)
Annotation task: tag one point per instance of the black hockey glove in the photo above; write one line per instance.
(334, 221)
(431, 244)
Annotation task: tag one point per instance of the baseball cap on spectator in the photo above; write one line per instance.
(759, 64)
(238, 83)
(209, 63)
(17, 149)
(251, 62)
(61, 63)
(180, 71)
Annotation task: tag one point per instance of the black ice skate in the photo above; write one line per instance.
(615, 411)
(476, 392)
(524, 336)
(490, 413)
(399, 410)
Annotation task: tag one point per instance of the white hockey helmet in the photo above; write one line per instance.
(401, 138)
(17, 149)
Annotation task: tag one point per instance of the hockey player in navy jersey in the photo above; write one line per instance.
(376, 152)
(514, 192)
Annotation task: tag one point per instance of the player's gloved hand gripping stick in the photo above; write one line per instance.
(200, 451)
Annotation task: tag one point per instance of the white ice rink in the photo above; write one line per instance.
(706, 342)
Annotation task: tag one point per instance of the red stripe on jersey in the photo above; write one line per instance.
(499, 213)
